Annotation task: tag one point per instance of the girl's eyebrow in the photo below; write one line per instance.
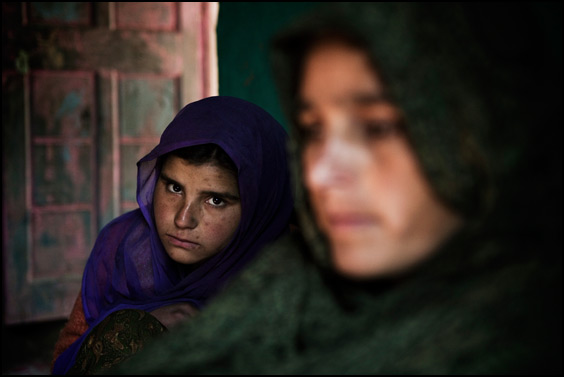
(168, 179)
(360, 98)
(225, 195)
(369, 98)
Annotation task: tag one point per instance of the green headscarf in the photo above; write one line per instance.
(476, 84)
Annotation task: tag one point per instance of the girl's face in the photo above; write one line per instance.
(197, 209)
(368, 193)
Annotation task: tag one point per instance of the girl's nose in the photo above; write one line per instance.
(187, 216)
(338, 164)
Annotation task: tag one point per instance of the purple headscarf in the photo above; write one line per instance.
(128, 266)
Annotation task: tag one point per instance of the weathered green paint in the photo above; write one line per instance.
(149, 105)
(59, 179)
(67, 12)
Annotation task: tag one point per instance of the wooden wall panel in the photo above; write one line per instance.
(59, 240)
(87, 89)
(147, 15)
(148, 103)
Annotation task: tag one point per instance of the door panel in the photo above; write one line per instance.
(87, 89)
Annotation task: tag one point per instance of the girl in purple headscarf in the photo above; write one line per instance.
(211, 194)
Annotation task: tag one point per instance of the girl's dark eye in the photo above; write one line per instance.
(216, 202)
(174, 187)
(380, 129)
(310, 133)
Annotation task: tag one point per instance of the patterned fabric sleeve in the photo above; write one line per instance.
(74, 328)
(119, 336)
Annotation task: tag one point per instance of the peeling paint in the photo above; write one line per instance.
(46, 240)
(69, 104)
(68, 12)
(148, 105)
(149, 15)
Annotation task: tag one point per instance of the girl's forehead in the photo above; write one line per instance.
(179, 169)
(178, 164)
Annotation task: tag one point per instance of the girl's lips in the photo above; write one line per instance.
(182, 243)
